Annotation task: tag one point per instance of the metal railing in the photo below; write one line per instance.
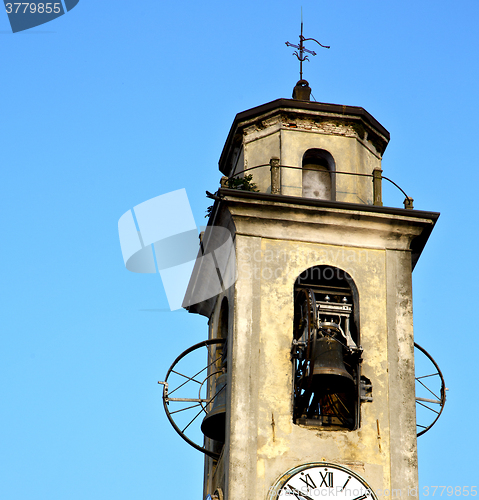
(376, 176)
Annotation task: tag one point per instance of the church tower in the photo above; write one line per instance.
(314, 375)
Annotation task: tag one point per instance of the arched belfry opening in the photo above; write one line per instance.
(318, 179)
(326, 349)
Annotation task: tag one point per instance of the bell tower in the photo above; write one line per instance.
(312, 388)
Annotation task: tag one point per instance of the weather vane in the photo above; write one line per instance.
(301, 56)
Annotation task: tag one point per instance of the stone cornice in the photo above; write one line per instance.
(328, 222)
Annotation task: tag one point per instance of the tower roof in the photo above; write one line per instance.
(338, 111)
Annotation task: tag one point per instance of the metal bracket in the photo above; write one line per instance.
(366, 390)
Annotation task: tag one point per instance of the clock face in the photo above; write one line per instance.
(321, 481)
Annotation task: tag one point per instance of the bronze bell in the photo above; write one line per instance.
(329, 373)
(213, 425)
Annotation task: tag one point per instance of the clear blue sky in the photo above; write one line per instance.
(117, 102)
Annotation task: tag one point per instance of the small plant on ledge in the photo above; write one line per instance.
(245, 183)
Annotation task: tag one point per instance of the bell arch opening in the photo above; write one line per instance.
(326, 349)
(317, 179)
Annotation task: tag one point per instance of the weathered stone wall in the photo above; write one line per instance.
(263, 441)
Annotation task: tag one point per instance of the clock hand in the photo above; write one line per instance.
(296, 492)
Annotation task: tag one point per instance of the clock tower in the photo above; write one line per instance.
(313, 389)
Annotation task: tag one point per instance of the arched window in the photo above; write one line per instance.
(214, 423)
(326, 349)
(317, 179)
(222, 332)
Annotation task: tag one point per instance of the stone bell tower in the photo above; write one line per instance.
(318, 364)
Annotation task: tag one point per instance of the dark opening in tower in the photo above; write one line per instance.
(326, 351)
(317, 179)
